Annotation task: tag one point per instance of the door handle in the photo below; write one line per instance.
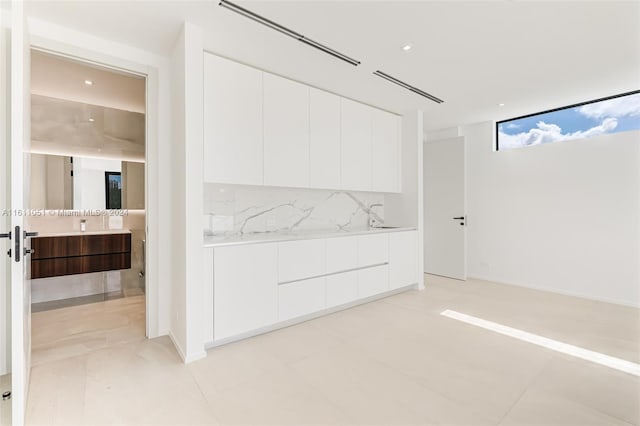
(29, 234)
(459, 218)
(16, 252)
(7, 235)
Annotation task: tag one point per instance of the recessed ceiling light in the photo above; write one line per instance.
(88, 82)
(406, 47)
(501, 105)
(91, 120)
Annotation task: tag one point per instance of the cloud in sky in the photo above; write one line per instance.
(545, 133)
(618, 107)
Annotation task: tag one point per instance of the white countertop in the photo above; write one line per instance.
(268, 237)
(72, 233)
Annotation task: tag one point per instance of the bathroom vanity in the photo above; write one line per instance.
(80, 253)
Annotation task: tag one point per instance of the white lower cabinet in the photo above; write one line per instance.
(342, 254)
(245, 293)
(403, 259)
(300, 298)
(259, 285)
(372, 281)
(342, 288)
(208, 294)
(373, 249)
(302, 259)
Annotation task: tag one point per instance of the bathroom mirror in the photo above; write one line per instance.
(84, 183)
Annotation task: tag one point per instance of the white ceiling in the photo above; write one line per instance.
(62, 78)
(531, 55)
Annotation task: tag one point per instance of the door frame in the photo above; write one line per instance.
(82, 47)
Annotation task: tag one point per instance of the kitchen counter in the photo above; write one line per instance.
(269, 237)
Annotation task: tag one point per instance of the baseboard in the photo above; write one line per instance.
(554, 290)
(194, 357)
(186, 358)
(177, 346)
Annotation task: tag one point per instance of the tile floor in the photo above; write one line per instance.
(395, 361)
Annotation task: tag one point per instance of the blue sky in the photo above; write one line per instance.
(610, 116)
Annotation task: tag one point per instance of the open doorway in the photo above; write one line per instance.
(88, 151)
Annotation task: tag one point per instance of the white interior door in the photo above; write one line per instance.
(20, 160)
(444, 208)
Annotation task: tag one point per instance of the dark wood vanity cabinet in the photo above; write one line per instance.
(79, 254)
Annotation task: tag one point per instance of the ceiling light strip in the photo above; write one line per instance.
(286, 31)
(407, 86)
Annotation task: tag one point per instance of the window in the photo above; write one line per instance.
(614, 114)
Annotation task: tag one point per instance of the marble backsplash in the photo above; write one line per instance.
(230, 210)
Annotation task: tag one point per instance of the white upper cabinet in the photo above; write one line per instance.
(385, 144)
(261, 129)
(324, 139)
(286, 132)
(356, 146)
(232, 122)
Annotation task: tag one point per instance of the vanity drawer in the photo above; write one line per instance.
(79, 254)
(79, 245)
(44, 268)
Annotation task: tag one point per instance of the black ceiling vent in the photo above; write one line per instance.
(286, 31)
(408, 86)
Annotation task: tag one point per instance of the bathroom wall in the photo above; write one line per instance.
(232, 209)
(126, 281)
(63, 127)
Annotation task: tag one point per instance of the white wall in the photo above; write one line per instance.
(562, 217)
(187, 306)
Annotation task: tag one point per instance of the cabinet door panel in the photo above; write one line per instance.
(341, 288)
(373, 249)
(356, 146)
(300, 298)
(245, 288)
(403, 259)
(286, 132)
(302, 259)
(208, 294)
(385, 142)
(342, 254)
(324, 139)
(232, 122)
(372, 281)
